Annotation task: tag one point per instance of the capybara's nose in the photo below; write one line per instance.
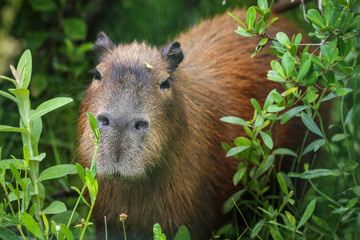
(139, 125)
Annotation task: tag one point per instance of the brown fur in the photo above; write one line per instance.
(191, 179)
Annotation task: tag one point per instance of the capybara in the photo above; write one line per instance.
(160, 159)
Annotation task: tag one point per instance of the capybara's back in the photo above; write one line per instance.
(158, 111)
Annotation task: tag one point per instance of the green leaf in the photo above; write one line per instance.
(94, 126)
(297, 40)
(49, 106)
(352, 202)
(314, 146)
(284, 151)
(341, 91)
(291, 218)
(329, 97)
(316, 60)
(339, 137)
(75, 28)
(237, 19)
(182, 234)
(276, 97)
(235, 120)
(315, 173)
(39, 157)
(304, 70)
(229, 203)
(5, 128)
(239, 175)
(291, 113)
(43, 5)
(343, 3)
(55, 207)
(272, 75)
(271, 21)
(80, 172)
(288, 63)
(265, 165)
(289, 91)
(243, 32)
(350, 115)
(315, 17)
(250, 17)
(8, 234)
(355, 23)
(25, 67)
(321, 223)
(256, 105)
(224, 229)
(263, 5)
(31, 225)
(275, 234)
(307, 214)
(92, 185)
(311, 79)
(327, 52)
(356, 190)
(64, 217)
(328, 13)
(310, 124)
(263, 41)
(158, 235)
(257, 228)
(269, 100)
(267, 140)
(283, 39)
(18, 164)
(57, 172)
(22, 95)
(275, 108)
(7, 95)
(282, 184)
(236, 150)
(311, 95)
(66, 231)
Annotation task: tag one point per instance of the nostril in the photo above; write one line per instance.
(103, 121)
(142, 125)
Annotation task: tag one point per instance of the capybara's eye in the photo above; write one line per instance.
(166, 84)
(97, 75)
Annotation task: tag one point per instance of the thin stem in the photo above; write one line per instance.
(345, 133)
(323, 194)
(106, 233)
(76, 205)
(352, 36)
(337, 226)
(123, 223)
(12, 210)
(8, 95)
(11, 80)
(330, 150)
(87, 219)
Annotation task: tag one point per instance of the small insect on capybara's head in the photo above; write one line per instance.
(133, 97)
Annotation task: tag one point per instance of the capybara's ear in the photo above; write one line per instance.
(103, 44)
(173, 54)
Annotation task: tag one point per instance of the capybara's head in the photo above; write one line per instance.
(134, 99)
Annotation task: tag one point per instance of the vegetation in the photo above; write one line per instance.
(59, 36)
(310, 78)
